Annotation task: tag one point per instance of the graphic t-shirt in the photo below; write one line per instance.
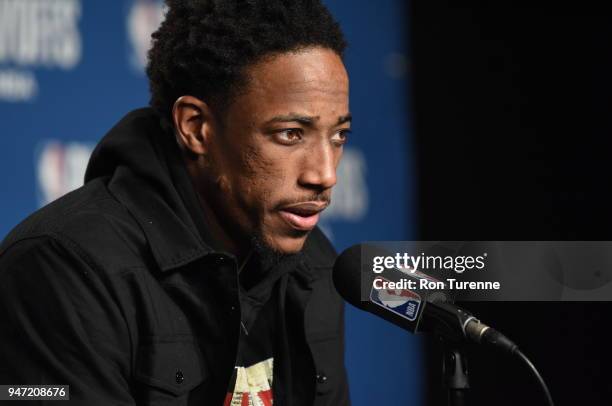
(252, 379)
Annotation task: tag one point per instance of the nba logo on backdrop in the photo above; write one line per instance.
(60, 168)
(143, 18)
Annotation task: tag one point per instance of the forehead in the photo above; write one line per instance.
(310, 81)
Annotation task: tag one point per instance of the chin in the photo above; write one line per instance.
(285, 244)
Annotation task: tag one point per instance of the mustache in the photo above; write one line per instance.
(317, 197)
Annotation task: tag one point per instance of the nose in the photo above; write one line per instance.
(319, 167)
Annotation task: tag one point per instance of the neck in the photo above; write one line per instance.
(220, 232)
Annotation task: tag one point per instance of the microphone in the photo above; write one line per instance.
(411, 309)
(418, 310)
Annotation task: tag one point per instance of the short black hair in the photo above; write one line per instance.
(203, 46)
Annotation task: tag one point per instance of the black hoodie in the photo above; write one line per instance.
(116, 290)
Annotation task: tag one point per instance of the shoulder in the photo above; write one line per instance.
(87, 223)
(40, 274)
(42, 268)
(36, 269)
(53, 303)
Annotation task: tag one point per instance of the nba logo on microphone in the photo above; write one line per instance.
(402, 302)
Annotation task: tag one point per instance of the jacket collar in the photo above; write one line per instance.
(173, 240)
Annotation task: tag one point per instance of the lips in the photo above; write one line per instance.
(302, 216)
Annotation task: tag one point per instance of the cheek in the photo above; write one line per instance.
(261, 179)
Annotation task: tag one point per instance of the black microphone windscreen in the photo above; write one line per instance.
(347, 276)
(354, 278)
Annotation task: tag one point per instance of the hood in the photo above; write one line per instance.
(142, 145)
(133, 143)
(146, 173)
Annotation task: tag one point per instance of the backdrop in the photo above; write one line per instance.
(69, 69)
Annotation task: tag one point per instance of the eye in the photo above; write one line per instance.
(289, 136)
(341, 137)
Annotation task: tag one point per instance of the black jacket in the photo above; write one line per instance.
(112, 290)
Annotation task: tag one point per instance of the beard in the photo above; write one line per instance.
(266, 263)
(267, 256)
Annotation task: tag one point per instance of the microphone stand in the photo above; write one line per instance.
(449, 328)
(455, 374)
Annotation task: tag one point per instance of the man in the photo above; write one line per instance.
(188, 269)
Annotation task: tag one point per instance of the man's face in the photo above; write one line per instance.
(274, 160)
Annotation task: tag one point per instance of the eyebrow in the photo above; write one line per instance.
(306, 120)
(345, 119)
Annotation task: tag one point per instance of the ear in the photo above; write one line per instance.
(193, 121)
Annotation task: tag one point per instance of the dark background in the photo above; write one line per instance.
(512, 110)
